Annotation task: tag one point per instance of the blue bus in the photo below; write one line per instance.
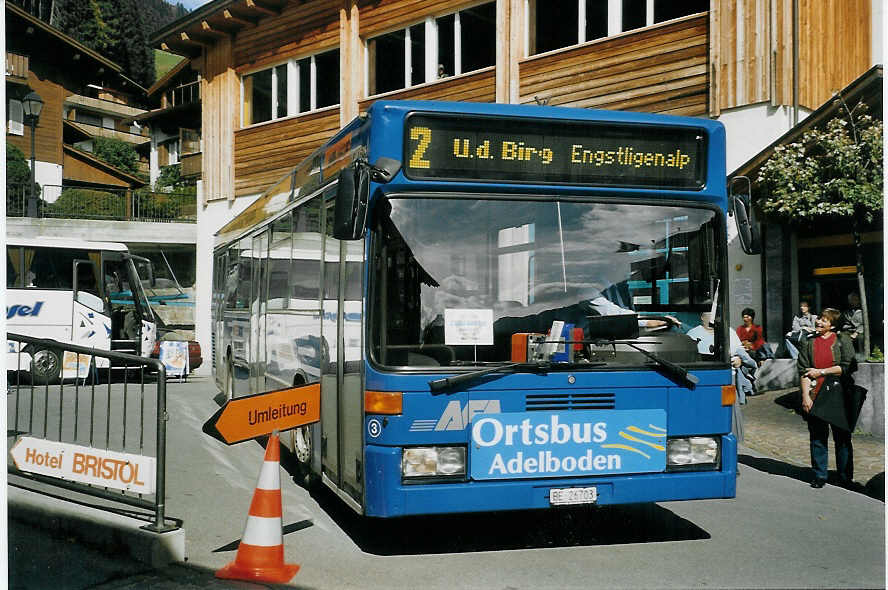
(506, 307)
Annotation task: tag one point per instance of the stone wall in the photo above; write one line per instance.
(778, 374)
(872, 415)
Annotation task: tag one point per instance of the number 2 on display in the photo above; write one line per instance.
(424, 135)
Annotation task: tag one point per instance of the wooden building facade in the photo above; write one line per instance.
(70, 79)
(318, 63)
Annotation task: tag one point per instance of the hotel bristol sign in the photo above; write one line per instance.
(120, 471)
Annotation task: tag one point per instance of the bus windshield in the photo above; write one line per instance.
(454, 278)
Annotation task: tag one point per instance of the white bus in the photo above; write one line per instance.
(74, 291)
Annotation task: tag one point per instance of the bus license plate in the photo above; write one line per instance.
(562, 496)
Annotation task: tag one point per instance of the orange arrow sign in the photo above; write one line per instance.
(257, 415)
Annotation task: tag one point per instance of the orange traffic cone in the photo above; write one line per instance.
(260, 555)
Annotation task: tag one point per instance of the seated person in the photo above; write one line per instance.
(751, 338)
(744, 365)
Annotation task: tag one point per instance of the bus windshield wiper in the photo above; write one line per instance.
(675, 372)
(500, 369)
(439, 385)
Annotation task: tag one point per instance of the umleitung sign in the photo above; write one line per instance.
(121, 471)
(246, 418)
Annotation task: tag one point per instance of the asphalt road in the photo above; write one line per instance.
(778, 532)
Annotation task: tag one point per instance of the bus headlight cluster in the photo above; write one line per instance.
(433, 462)
(692, 452)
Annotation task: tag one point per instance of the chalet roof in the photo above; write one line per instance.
(133, 181)
(13, 11)
(213, 21)
(867, 89)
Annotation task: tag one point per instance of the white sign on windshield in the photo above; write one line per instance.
(468, 326)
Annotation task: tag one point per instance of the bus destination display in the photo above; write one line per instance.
(573, 152)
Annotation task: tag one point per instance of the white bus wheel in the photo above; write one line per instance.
(302, 444)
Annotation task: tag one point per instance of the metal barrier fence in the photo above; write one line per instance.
(95, 404)
(105, 204)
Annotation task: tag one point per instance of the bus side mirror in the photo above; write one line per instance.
(747, 229)
(352, 193)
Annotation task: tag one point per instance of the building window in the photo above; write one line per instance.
(550, 22)
(288, 89)
(15, 121)
(435, 48)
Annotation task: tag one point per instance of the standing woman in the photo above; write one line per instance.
(826, 353)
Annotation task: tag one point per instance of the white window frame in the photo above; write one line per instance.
(614, 20)
(431, 49)
(15, 124)
(294, 73)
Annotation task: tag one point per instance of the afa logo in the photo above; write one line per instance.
(23, 310)
(457, 416)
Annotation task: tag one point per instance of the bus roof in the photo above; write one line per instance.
(65, 243)
(542, 112)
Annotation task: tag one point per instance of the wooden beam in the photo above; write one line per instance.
(209, 30)
(263, 7)
(195, 38)
(191, 50)
(236, 19)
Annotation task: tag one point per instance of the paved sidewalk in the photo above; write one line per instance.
(773, 427)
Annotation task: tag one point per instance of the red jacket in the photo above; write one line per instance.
(752, 334)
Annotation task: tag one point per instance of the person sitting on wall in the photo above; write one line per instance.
(803, 326)
(751, 338)
(854, 322)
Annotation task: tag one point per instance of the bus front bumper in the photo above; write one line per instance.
(388, 496)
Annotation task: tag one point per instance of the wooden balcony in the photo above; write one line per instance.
(192, 165)
(16, 67)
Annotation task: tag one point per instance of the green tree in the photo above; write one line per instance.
(834, 173)
(83, 20)
(17, 169)
(18, 179)
(119, 154)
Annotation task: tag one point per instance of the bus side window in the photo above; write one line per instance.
(88, 287)
(13, 267)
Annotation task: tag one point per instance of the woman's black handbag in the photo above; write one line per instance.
(839, 404)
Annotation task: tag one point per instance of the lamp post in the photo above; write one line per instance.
(32, 104)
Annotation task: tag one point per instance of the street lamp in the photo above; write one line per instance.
(32, 104)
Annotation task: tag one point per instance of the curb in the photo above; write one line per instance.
(107, 530)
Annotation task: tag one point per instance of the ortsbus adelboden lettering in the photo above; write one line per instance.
(490, 431)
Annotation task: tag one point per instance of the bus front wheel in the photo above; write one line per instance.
(46, 366)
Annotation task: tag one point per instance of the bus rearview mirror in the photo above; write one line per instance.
(350, 213)
(747, 230)
(741, 208)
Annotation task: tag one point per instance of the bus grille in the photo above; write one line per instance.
(569, 401)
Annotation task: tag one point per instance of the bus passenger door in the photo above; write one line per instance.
(259, 294)
(342, 380)
(330, 369)
(91, 321)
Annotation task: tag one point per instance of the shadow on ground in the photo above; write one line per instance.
(874, 488)
(494, 531)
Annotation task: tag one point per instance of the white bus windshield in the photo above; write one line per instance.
(454, 279)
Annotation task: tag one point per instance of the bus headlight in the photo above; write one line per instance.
(433, 462)
(695, 452)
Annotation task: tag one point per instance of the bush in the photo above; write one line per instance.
(170, 176)
(87, 203)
